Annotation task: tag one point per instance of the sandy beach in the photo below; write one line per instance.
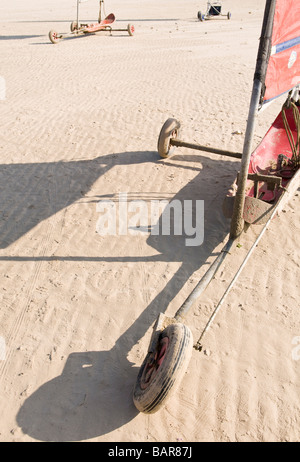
(80, 121)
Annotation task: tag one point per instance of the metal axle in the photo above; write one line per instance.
(180, 143)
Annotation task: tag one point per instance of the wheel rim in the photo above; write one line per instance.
(154, 363)
(174, 133)
(170, 129)
(74, 26)
(130, 29)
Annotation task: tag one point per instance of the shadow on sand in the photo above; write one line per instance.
(93, 395)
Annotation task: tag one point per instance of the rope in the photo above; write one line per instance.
(295, 146)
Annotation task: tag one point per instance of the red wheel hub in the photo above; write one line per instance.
(154, 363)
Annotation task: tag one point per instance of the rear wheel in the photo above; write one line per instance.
(53, 36)
(162, 371)
(201, 16)
(73, 26)
(170, 129)
(130, 29)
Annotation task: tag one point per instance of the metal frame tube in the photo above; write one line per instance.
(100, 11)
(237, 221)
(291, 188)
(77, 16)
(204, 281)
(180, 143)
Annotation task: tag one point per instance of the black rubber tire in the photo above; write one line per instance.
(228, 15)
(200, 17)
(170, 129)
(150, 397)
(130, 29)
(53, 36)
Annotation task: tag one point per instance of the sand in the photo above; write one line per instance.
(79, 125)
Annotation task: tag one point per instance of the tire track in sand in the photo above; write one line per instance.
(21, 310)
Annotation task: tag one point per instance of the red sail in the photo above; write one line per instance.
(283, 71)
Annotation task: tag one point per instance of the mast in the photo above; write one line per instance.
(237, 222)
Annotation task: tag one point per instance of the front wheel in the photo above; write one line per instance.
(130, 29)
(162, 370)
(170, 129)
(53, 36)
(201, 16)
(228, 15)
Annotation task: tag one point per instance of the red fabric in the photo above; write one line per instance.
(284, 67)
(265, 157)
(286, 21)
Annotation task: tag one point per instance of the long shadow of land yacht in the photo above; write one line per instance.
(32, 192)
(92, 396)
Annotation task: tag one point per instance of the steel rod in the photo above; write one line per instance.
(180, 143)
(198, 345)
(276, 210)
(100, 11)
(237, 222)
(77, 16)
(204, 281)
